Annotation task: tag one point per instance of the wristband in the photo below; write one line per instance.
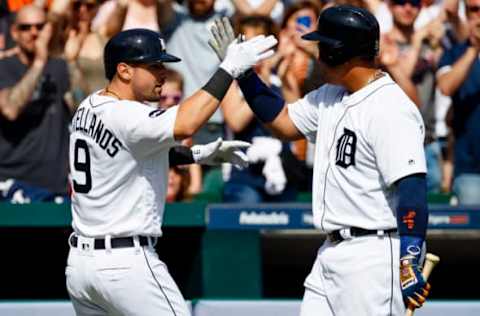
(263, 101)
(180, 155)
(218, 85)
(411, 248)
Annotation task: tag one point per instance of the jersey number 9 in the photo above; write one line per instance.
(82, 166)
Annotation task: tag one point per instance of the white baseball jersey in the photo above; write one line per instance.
(365, 141)
(119, 166)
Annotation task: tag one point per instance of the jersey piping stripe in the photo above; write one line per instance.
(333, 145)
(97, 105)
(342, 93)
(158, 283)
(391, 274)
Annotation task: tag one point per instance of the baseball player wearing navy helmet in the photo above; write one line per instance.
(369, 190)
(120, 152)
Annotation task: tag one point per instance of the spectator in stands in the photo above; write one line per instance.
(8, 9)
(241, 8)
(5, 23)
(411, 56)
(298, 71)
(186, 33)
(178, 183)
(298, 66)
(16, 5)
(265, 179)
(127, 14)
(459, 77)
(264, 7)
(445, 10)
(172, 89)
(81, 47)
(33, 115)
(454, 14)
(172, 94)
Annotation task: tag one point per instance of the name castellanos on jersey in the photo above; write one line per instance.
(88, 123)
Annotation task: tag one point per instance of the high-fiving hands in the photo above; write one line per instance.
(238, 56)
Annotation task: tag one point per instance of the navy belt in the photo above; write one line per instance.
(348, 233)
(120, 242)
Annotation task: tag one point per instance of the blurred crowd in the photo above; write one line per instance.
(51, 58)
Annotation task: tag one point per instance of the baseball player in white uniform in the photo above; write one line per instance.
(369, 189)
(120, 150)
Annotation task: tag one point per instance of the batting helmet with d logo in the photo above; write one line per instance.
(140, 46)
(344, 32)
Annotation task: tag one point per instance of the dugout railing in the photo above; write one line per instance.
(224, 251)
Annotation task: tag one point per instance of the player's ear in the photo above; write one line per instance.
(124, 71)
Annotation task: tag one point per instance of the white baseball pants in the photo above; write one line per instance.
(357, 277)
(122, 281)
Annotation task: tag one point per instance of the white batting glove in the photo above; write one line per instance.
(223, 35)
(242, 56)
(221, 151)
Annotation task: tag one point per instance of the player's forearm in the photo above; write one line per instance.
(195, 111)
(283, 128)
(450, 81)
(236, 112)
(412, 209)
(16, 98)
(268, 106)
(412, 219)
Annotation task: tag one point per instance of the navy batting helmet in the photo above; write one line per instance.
(140, 46)
(344, 32)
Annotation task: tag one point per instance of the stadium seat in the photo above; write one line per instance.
(212, 187)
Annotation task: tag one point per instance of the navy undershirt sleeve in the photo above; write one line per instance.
(412, 209)
(264, 102)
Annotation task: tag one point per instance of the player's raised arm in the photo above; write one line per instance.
(268, 106)
(238, 58)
